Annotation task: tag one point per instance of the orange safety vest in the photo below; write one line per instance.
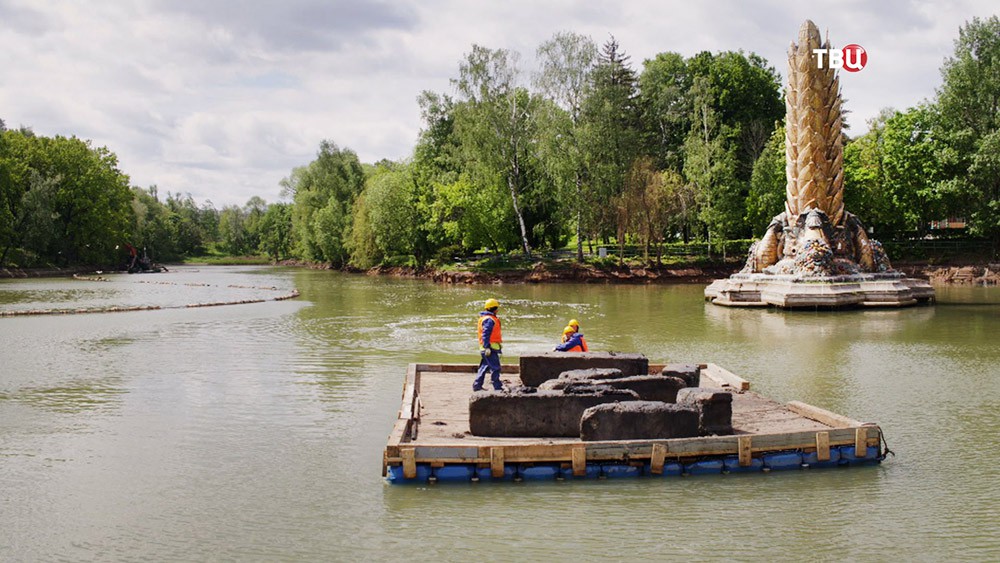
(581, 347)
(495, 336)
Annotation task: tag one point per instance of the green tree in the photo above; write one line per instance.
(154, 225)
(767, 184)
(232, 230)
(276, 231)
(323, 193)
(567, 61)
(663, 86)
(496, 124)
(710, 167)
(969, 102)
(611, 134)
(188, 228)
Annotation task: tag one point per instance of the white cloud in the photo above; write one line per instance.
(223, 98)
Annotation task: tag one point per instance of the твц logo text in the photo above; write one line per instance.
(851, 58)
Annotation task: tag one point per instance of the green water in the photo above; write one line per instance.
(255, 432)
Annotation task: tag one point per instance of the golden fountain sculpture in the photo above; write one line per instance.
(816, 253)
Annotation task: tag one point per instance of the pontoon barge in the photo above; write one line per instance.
(431, 441)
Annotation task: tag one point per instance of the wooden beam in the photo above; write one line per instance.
(656, 459)
(579, 461)
(409, 463)
(725, 378)
(745, 450)
(823, 446)
(460, 452)
(496, 462)
(462, 368)
(824, 416)
(861, 441)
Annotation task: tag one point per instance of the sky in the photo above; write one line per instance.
(221, 99)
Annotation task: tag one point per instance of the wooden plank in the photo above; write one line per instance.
(579, 461)
(725, 378)
(496, 462)
(823, 446)
(409, 393)
(861, 442)
(409, 463)
(657, 456)
(610, 451)
(745, 450)
(824, 416)
(637, 449)
(467, 454)
(400, 430)
(463, 368)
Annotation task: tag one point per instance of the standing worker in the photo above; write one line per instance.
(572, 341)
(490, 344)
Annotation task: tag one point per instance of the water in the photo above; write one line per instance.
(255, 432)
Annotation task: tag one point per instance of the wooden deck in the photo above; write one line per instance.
(433, 428)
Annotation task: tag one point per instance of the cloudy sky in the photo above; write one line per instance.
(222, 98)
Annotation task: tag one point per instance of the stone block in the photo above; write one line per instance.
(536, 369)
(536, 414)
(567, 378)
(690, 373)
(638, 420)
(715, 407)
(592, 373)
(649, 387)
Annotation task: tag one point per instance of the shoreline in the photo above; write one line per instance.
(987, 274)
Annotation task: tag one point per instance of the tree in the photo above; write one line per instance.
(495, 123)
(611, 135)
(767, 184)
(664, 86)
(567, 61)
(276, 231)
(154, 225)
(969, 102)
(710, 167)
(323, 193)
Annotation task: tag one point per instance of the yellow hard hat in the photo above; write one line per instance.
(574, 323)
(569, 330)
(491, 303)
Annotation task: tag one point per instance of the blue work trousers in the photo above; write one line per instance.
(489, 363)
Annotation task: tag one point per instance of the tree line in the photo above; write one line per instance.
(585, 149)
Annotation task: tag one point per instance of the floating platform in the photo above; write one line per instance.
(889, 289)
(431, 442)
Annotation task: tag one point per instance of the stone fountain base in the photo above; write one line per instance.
(889, 289)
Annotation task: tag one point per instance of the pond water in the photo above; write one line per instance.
(255, 432)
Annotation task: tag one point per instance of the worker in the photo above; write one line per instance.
(490, 346)
(572, 341)
(576, 327)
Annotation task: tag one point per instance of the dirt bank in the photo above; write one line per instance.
(542, 272)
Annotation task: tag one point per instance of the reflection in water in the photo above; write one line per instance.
(256, 432)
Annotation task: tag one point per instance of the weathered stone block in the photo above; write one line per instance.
(536, 369)
(538, 413)
(690, 373)
(649, 387)
(592, 373)
(638, 420)
(595, 375)
(715, 407)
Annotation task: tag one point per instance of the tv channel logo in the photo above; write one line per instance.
(851, 58)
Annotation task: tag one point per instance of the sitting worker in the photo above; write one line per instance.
(572, 341)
